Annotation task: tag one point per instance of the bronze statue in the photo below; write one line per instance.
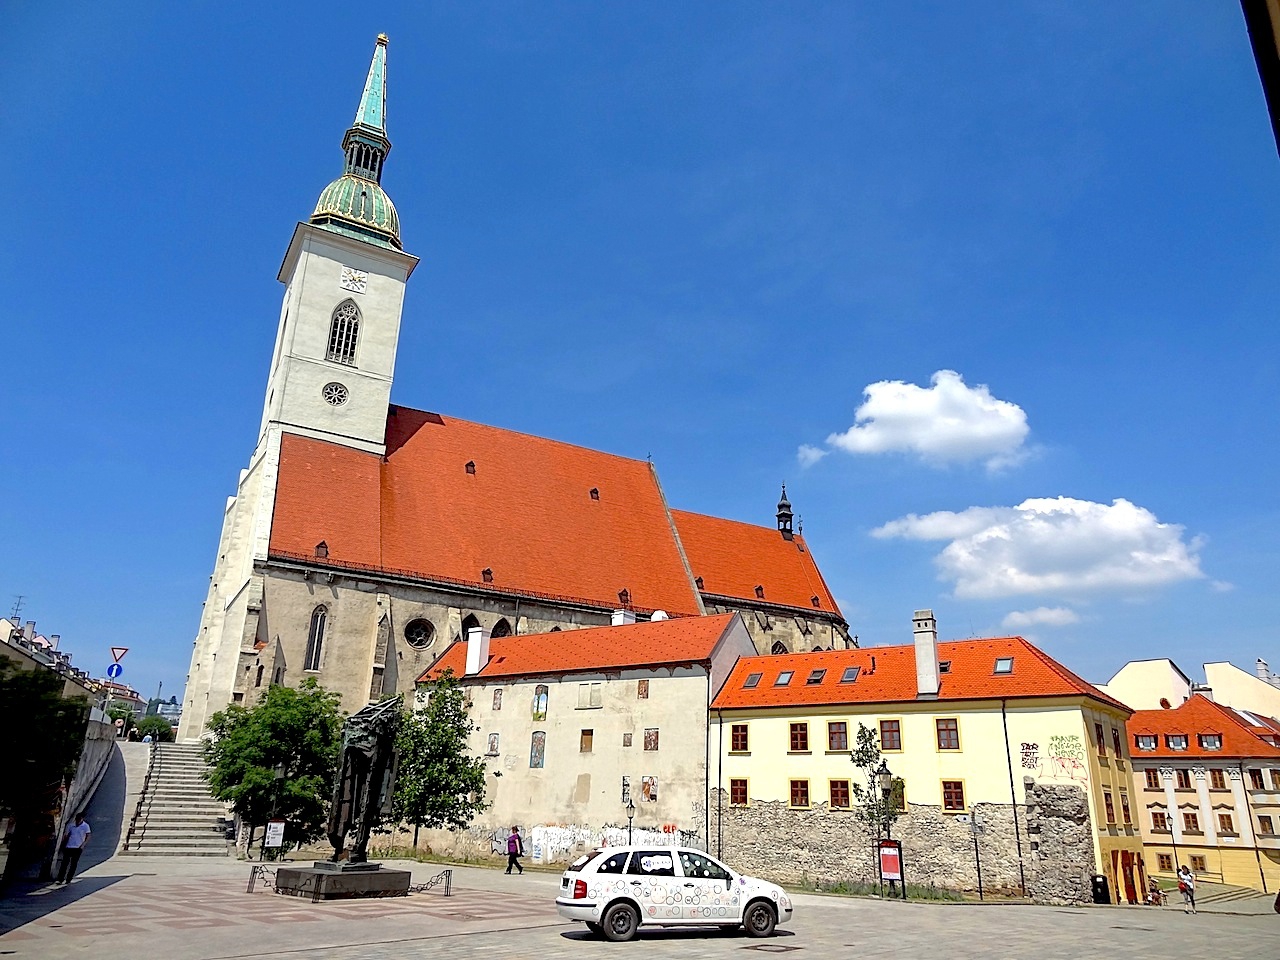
(366, 776)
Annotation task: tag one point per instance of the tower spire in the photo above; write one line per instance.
(784, 514)
(355, 203)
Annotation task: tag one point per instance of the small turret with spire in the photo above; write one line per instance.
(784, 515)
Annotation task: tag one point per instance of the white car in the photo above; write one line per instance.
(617, 890)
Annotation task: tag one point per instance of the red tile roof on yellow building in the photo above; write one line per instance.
(454, 499)
(661, 642)
(734, 558)
(888, 675)
(1198, 716)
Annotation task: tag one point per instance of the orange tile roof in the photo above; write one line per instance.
(1196, 715)
(526, 513)
(888, 675)
(733, 558)
(687, 640)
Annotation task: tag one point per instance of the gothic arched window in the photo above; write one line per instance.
(779, 648)
(501, 629)
(469, 623)
(315, 639)
(344, 330)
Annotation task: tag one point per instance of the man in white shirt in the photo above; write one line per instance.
(72, 846)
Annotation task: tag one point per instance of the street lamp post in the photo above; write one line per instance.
(631, 815)
(884, 780)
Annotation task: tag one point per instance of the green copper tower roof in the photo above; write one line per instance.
(355, 204)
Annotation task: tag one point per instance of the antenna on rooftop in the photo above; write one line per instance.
(17, 607)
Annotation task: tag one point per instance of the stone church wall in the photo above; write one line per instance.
(825, 846)
(797, 632)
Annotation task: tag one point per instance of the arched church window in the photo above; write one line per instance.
(469, 623)
(315, 639)
(344, 330)
(419, 633)
(257, 682)
(501, 629)
(778, 647)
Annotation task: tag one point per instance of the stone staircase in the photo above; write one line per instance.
(175, 816)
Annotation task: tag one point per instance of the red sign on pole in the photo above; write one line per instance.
(890, 860)
(117, 653)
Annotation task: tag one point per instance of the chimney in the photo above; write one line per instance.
(926, 641)
(53, 641)
(621, 618)
(1264, 674)
(29, 631)
(477, 650)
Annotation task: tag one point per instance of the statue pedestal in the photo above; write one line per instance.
(326, 880)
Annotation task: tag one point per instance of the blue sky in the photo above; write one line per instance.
(696, 231)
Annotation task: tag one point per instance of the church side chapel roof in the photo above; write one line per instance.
(651, 644)
(888, 675)
(1241, 736)
(733, 558)
(455, 499)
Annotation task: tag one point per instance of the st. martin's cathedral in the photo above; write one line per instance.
(365, 536)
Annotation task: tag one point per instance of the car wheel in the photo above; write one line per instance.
(595, 927)
(620, 922)
(759, 919)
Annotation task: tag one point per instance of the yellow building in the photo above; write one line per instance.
(991, 730)
(1208, 779)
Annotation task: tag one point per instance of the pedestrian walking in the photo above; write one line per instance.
(72, 846)
(515, 850)
(1187, 887)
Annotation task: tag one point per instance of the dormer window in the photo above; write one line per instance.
(322, 550)
(471, 467)
(697, 581)
(784, 678)
(1211, 741)
(752, 681)
(1004, 665)
(944, 666)
(815, 677)
(815, 601)
(759, 592)
(1145, 741)
(1176, 741)
(624, 596)
(487, 574)
(595, 493)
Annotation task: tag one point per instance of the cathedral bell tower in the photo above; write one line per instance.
(344, 275)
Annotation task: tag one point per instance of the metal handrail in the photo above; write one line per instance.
(142, 797)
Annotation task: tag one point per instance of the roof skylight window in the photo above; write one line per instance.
(753, 680)
(816, 676)
(784, 678)
(1004, 665)
(944, 666)
(850, 674)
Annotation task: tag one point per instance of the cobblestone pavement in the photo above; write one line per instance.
(188, 910)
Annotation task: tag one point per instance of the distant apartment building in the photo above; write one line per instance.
(1207, 776)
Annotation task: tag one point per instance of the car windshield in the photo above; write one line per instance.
(583, 860)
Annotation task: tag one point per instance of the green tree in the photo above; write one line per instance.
(44, 734)
(439, 784)
(160, 728)
(871, 806)
(297, 732)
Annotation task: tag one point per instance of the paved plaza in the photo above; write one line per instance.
(197, 909)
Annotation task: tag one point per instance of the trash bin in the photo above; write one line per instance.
(1101, 889)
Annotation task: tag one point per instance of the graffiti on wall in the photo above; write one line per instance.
(1066, 758)
(1030, 753)
(648, 788)
(560, 841)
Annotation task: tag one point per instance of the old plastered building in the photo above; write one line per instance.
(363, 536)
(992, 729)
(1207, 779)
(575, 725)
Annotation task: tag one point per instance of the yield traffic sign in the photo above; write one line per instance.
(117, 653)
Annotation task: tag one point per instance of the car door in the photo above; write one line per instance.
(651, 879)
(707, 892)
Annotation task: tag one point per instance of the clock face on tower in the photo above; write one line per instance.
(357, 281)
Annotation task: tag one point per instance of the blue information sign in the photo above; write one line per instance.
(114, 671)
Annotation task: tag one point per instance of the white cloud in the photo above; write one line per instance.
(1048, 616)
(947, 422)
(809, 455)
(1052, 546)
